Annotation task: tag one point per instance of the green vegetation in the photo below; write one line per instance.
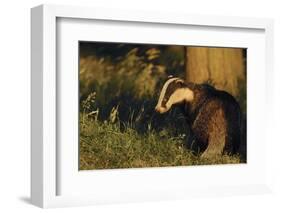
(107, 145)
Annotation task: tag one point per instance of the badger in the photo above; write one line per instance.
(212, 115)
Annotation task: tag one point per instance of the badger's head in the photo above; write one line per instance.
(173, 92)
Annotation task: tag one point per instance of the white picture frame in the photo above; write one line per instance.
(48, 163)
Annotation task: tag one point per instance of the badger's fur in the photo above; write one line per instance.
(213, 115)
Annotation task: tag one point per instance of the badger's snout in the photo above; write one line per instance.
(160, 109)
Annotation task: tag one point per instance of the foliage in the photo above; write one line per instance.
(107, 145)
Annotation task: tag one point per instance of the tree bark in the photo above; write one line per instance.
(223, 68)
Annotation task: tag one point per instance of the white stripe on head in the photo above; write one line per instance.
(163, 91)
(178, 96)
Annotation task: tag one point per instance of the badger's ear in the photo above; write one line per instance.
(180, 82)
(170, 76)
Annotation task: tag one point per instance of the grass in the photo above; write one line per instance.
(106, 145)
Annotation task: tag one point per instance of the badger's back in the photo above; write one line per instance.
(215, 115)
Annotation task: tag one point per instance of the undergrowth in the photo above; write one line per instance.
(106, 145)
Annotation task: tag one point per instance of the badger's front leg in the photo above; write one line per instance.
(217, 135)
(214, 149)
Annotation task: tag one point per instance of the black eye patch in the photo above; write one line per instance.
(173, 86)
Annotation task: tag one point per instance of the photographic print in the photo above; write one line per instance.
(151, 105)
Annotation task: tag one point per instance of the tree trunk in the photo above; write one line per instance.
(223, 68)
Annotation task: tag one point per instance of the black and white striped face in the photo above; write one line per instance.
(173, 92)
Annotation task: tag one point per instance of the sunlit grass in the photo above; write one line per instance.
(104, 146)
